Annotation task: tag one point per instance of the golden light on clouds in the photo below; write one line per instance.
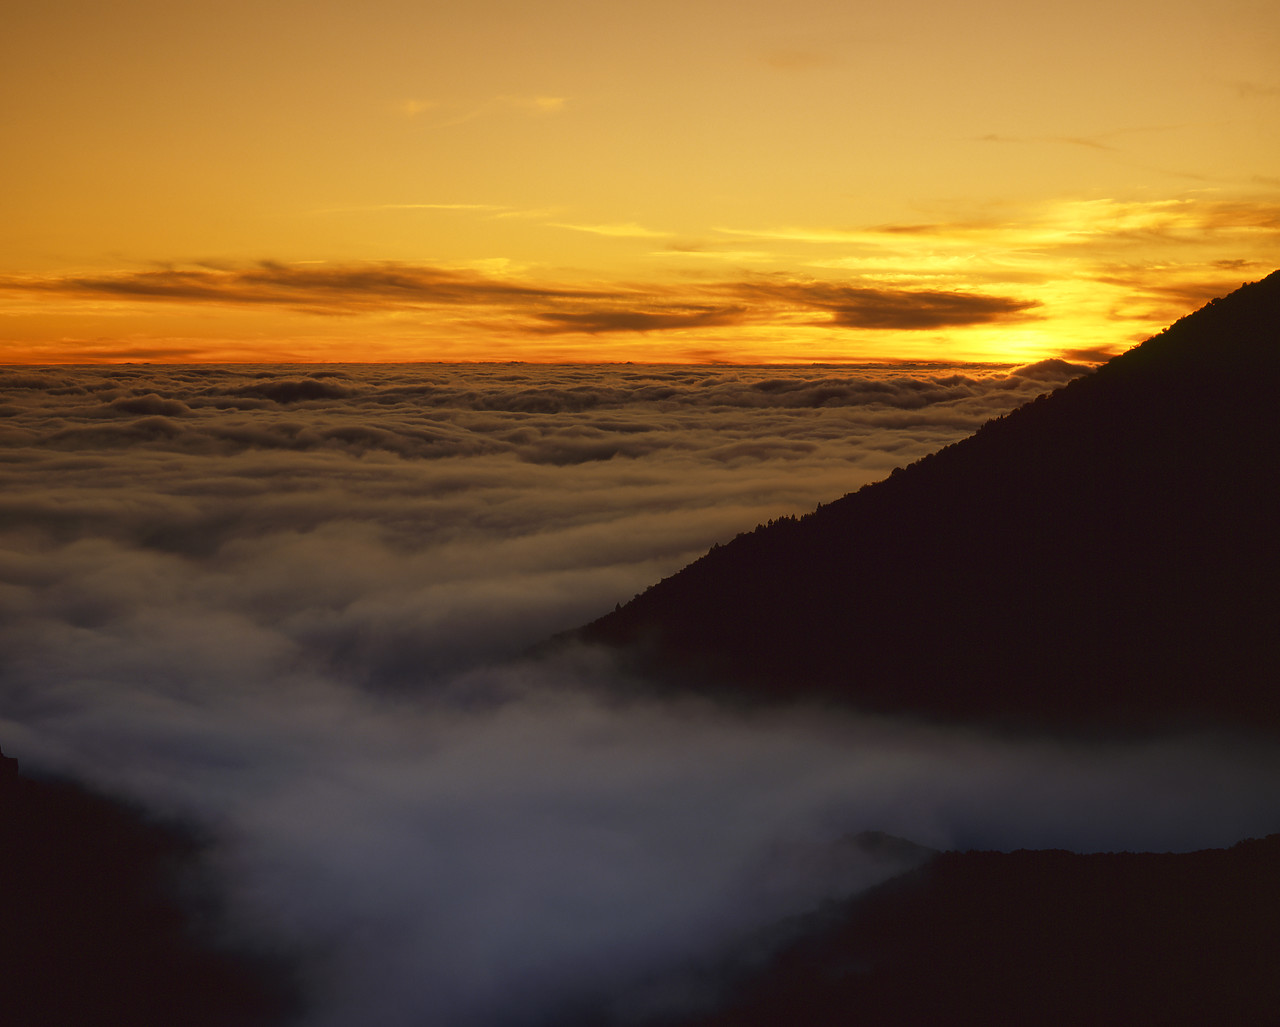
(694, 181)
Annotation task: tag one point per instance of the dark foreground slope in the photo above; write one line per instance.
(1036, 938)
(102, 921)
(1106, 555)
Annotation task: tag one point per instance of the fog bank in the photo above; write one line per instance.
(288, 606)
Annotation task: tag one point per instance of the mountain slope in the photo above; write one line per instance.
(108, 921)
(1105, 556)
(1025, 937)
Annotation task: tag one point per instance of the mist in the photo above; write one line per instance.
(289, 606)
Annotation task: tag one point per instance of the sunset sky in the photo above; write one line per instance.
(570, 180)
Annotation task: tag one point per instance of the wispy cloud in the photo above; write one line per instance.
(815, 234)
(1067, 223)
(714, 251)
(531, 213)
(1116, 153)
(412, 108)
(596, 321)
(618, 230)
(539, 307)
(900, 309)
(490, 211)
(1066, 274)
(336, 287)
(1093, 140)
(1091, 263)
(411, 206)
(536, 105)
(1091, 144)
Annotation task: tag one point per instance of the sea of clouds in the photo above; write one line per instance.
(290, 605)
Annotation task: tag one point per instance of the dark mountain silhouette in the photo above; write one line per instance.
(1047, 937)
(1104, 556)
(105, 921)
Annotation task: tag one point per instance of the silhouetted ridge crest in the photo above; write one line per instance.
(1103, 555)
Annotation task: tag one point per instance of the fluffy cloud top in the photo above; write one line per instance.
(285, 603)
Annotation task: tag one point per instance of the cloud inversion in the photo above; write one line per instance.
(285, 603)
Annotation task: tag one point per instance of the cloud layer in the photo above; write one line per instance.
(287, 603)
(511, 481)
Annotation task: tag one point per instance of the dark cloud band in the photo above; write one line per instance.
(900, 309)
(540, 308)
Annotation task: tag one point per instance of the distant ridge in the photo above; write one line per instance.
(1104, 556)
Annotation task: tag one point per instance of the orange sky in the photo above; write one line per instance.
(669, 181)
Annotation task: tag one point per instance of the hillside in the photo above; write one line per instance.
(1104, 556)
(107, 920)
(1025, 937)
